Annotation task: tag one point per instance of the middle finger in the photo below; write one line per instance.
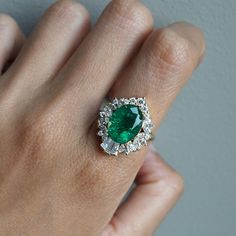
(89, 74)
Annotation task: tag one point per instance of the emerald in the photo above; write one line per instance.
(125, 123)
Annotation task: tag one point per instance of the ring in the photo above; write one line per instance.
(124, 125)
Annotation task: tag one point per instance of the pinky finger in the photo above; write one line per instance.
(11, 41)
(158, 189)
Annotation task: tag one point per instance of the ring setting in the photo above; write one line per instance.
(124, 125)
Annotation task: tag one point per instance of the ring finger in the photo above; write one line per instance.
(90, 72)
(162, 67)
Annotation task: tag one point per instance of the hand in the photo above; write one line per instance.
(54, 178)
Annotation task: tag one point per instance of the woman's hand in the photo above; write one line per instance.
(54, 178)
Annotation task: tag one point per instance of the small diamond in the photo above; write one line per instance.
(138, 145)
(110, 146)
(115, 101)
(133, 101)
(100, 133)
(127, 151)
(137, 142)
(132, 147)
(122, 148)
(145, 108)
(141, 101)
(143, 141)
(106, 120)
(114, 104)
(107, 111)
(126, 101)
(101, 123)
(122, 101)
(102, 114)
(147, 129)
(115, 148)
(148, 120)
(148, 136)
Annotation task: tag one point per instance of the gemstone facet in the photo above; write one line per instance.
(125, 123)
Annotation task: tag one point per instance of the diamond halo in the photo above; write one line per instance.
(145, 134)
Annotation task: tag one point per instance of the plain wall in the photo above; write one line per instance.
(198, 137)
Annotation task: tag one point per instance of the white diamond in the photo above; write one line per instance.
(115, 148)
(147, 129)
(121, 101)
(115, 101)
(106, 120)
(102, 113)
(132, 147)
(148, 120)
(148, 136)
(141, 101)
(122, 148)
(114, 106)
(137, 141)
(145, 108)
(107, 111)
(101, 123)
(126, 101)
(137, 145)
(140, 139)
(110, 146)
(133, 101)
(127, 151)
(143, 141)
(100, 133)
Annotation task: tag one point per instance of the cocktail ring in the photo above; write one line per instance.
(124, 125)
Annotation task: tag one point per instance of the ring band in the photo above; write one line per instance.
(124, 125)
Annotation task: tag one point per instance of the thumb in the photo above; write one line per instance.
(157, 191)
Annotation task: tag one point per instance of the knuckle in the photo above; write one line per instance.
(170, 51)
(131, 15)
(67, 9)
(176, 182)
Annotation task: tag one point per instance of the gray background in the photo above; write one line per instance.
(198, 136)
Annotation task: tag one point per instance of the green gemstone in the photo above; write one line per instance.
(125, 123)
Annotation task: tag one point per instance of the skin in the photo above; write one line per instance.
(54, 178)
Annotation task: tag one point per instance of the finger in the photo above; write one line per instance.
(58, 34)
(11, 38)
(162, 67)
(119, 32)
(158, 189)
